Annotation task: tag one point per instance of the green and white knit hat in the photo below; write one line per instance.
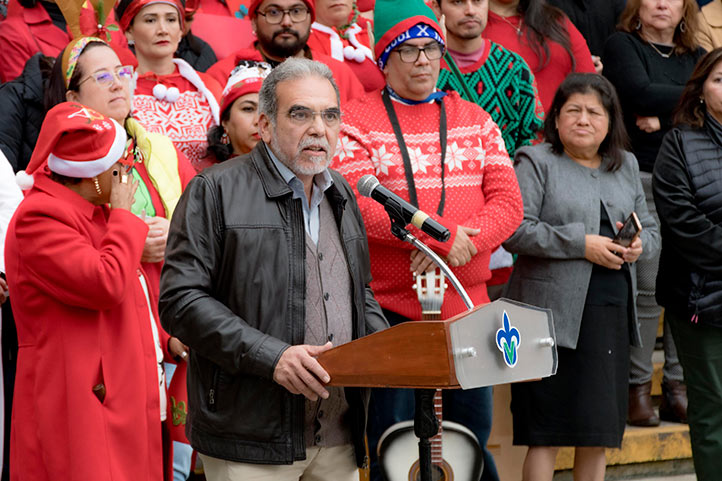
(396, 21)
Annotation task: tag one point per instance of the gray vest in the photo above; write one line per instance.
(328, 317)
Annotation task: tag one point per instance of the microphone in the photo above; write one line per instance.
(369, 186)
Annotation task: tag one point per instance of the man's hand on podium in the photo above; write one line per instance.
(298, 371)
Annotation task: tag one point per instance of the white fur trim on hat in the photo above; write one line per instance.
(90, 168)
(24, 180)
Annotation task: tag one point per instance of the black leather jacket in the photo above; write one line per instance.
(233, 288)
(687, 190)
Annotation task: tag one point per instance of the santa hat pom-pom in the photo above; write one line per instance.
(359, 55)
(24, 180)
(172, 95)
(159, 91)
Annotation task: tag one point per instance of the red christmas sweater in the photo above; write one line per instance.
(481, 190)
(185, 121)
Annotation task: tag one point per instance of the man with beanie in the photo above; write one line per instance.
(282, 28)
(446, 156)
(267, 267)
(496, 79)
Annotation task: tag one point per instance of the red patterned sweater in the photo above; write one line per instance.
(481, 190)
(185, 121)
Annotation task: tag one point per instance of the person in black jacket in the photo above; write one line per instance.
(687, 190)
(595, 20)
(267, 266)
(23, 110)
(196, 51)
(649, 60)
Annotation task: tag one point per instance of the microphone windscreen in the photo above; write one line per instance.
(367, 184)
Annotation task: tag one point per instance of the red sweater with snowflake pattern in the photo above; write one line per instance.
(481, 190)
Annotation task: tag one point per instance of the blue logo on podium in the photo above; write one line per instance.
(508, 340)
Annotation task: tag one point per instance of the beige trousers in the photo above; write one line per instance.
(321, 464)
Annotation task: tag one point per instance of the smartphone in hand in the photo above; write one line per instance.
(629, 231)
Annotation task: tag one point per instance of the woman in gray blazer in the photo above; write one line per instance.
(578, 188)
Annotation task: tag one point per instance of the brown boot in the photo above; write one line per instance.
(674, 402)
(641, 412)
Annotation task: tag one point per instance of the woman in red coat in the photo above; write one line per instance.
(89, 390)
(90, 73)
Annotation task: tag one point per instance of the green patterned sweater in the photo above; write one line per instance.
(501, 83)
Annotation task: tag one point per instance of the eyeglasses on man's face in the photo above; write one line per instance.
(105, 78)
(304, 116)
(411, 53)
(274, 15)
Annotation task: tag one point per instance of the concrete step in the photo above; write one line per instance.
(674, 470)
(668, 441)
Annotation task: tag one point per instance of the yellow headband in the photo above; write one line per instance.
(72, 53)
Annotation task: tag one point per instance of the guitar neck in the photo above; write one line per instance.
(437, 455)
(430, 288)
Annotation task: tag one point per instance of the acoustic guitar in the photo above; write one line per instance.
(455, 451)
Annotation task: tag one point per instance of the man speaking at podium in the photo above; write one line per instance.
(444, 155)
(267, 267)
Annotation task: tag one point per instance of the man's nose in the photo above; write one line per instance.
(286, 19)
(422, 59)
(317, 126)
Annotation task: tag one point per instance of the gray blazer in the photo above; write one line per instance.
(561, 206)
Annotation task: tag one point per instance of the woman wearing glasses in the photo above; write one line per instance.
(89, 390)
(170, 97)
(96, 78)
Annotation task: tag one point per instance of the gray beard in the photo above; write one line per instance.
(293, 164)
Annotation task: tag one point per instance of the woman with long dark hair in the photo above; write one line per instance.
(238, 132)
(544, 37)
(578, 189)
(688, 193)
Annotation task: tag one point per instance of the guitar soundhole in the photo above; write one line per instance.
(440, 472)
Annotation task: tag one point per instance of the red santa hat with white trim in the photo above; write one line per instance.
(75, 141)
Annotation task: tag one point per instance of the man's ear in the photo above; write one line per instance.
(264, 128)
(434, 4)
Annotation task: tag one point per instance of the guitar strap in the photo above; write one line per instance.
(405, 153)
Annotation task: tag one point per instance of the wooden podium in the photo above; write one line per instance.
(474, 349)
